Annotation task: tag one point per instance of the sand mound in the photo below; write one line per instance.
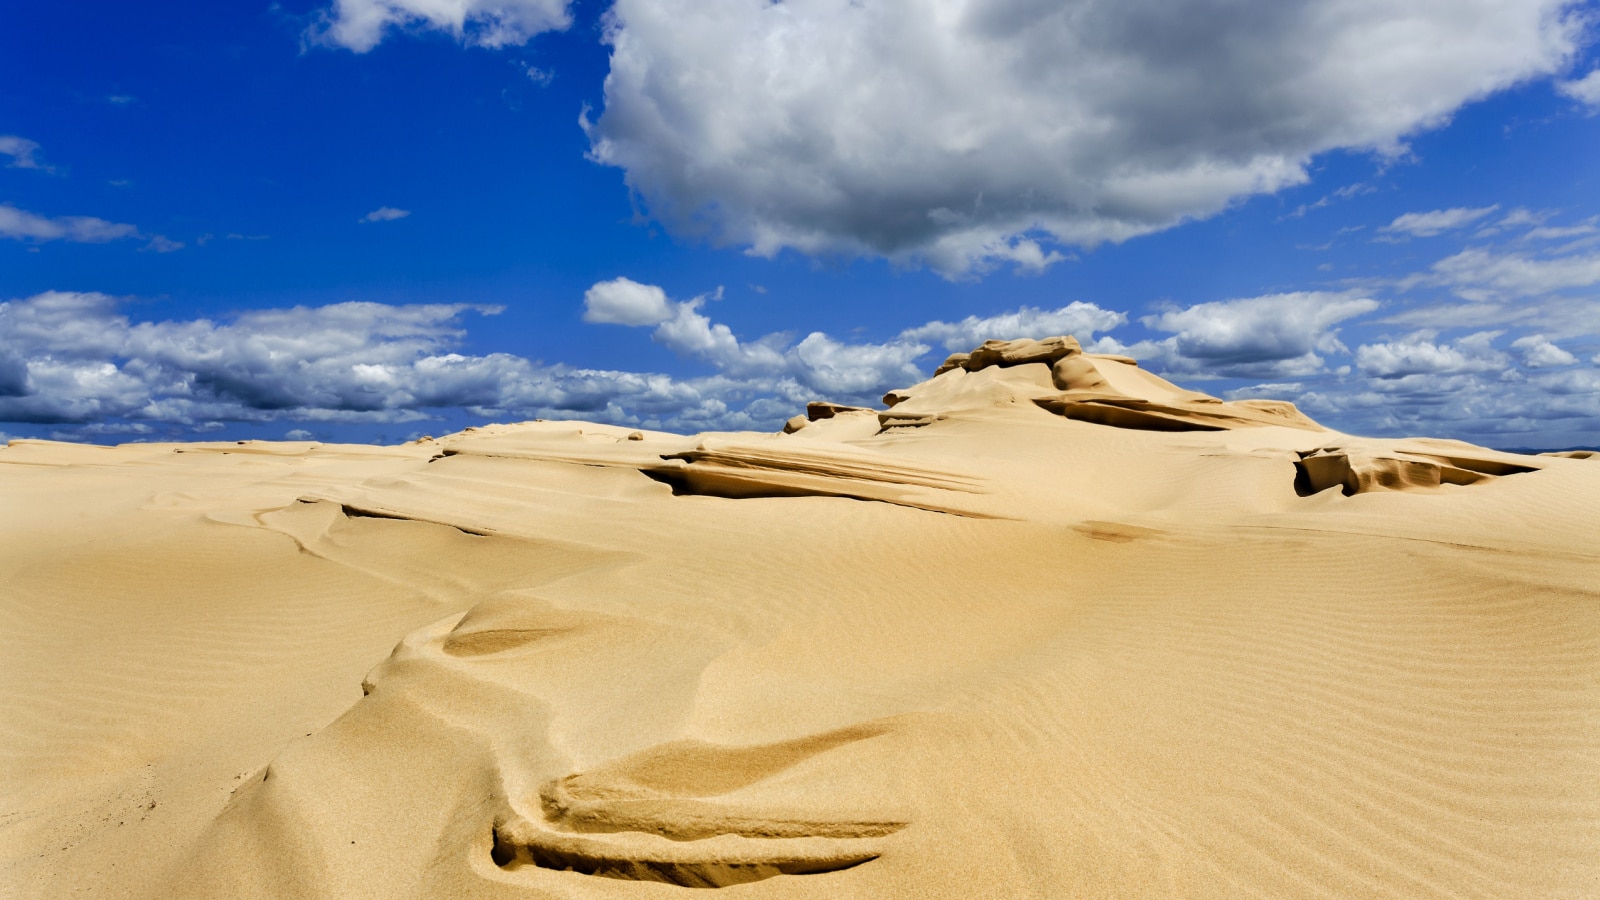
(669, 814)
(1047, 625)
(1401, 467)
(719, 469)
(1088, 387)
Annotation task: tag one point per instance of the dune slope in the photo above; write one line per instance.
(1046, 625)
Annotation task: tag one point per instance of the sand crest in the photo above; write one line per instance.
(1045, 625)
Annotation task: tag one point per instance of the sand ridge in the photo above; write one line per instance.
(1046, 625)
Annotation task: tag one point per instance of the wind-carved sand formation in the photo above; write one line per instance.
(1046, 625)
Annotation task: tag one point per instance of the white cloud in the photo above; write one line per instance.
(964, 134)
(19, 224)
(856, 373)
(385, 214)
(1419, 355)
(1485, 404)
(1479, 274)
(851, 372)
(1271, 391)
(1557, 317)
(361, 24)
(848, 372)
(162, 244)
(623, 301)
(74, 358)
(1522, 216)
(861, 371)
(1585, 90)
(1580, 384)
(1539, 353)
(690, 333)
(1428, 224)
(1276, 335)
(21, 151)
(1080, 319)
(1517, 217)
(1563, 232)
(1344, 193)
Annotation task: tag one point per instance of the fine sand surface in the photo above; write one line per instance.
(1046, 626)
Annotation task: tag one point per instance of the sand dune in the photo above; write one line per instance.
(1046, 625)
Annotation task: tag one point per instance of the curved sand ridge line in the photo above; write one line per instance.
(1147, 659)
(644, 818)
(150, 655)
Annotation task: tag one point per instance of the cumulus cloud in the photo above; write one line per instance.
(689, 332)
(861, 371)
(623, 301)
(74, 358)
(385, 214)
(1585, 90)
(1420, 355)
(1534, 394)
(1078, 318)
(1428, 224)
(1276, 335)
(360, 25)
(13, 374)
(21, 151)
(842, 371)
(1538, 352)
(77, 360)
(1494, 407)
(965, 135)
(1556, 317)
(850, 372)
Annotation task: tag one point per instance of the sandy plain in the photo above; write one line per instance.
(1045, 626)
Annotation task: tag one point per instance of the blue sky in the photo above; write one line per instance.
(372, 219)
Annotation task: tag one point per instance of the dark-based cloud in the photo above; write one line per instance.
(77, 360)
(81, 360)
(1272, 336)
(966, 135)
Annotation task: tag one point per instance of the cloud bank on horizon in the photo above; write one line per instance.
(74, 359)
(77, 359)
(954, 137)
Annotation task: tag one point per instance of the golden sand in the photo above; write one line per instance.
(1047, 626)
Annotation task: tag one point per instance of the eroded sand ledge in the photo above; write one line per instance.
(1046, 625)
